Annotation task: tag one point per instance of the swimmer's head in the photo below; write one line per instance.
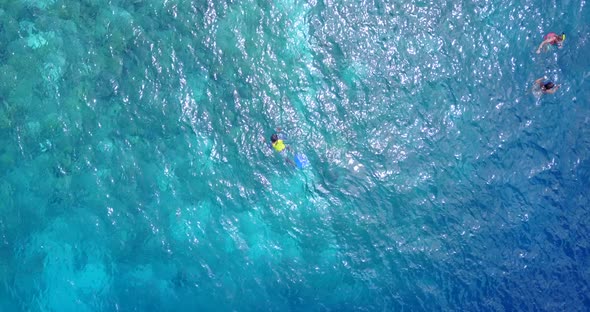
(562, 37)
(274, 138)
(548, 85)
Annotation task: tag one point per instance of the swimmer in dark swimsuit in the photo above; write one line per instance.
(545, 87)
(553, 39)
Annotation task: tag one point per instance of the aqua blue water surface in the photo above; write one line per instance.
(134, 176)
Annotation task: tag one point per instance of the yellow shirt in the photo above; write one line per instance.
(279, 146)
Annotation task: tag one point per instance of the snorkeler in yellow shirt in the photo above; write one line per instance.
(278, 144)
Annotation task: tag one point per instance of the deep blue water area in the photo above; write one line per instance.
(134, 175)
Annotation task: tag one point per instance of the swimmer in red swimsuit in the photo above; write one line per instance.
(552, 38)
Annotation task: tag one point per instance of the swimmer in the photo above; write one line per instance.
(545, 87)
(553, 39)
(278, 144)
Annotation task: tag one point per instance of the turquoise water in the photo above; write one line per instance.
(134, 177)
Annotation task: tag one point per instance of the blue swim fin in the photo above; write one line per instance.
(301, 160)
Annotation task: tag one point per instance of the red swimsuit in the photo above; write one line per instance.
(553, 37)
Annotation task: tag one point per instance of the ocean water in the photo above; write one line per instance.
(134, 176)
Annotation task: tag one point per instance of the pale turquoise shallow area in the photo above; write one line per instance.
(134, 176)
